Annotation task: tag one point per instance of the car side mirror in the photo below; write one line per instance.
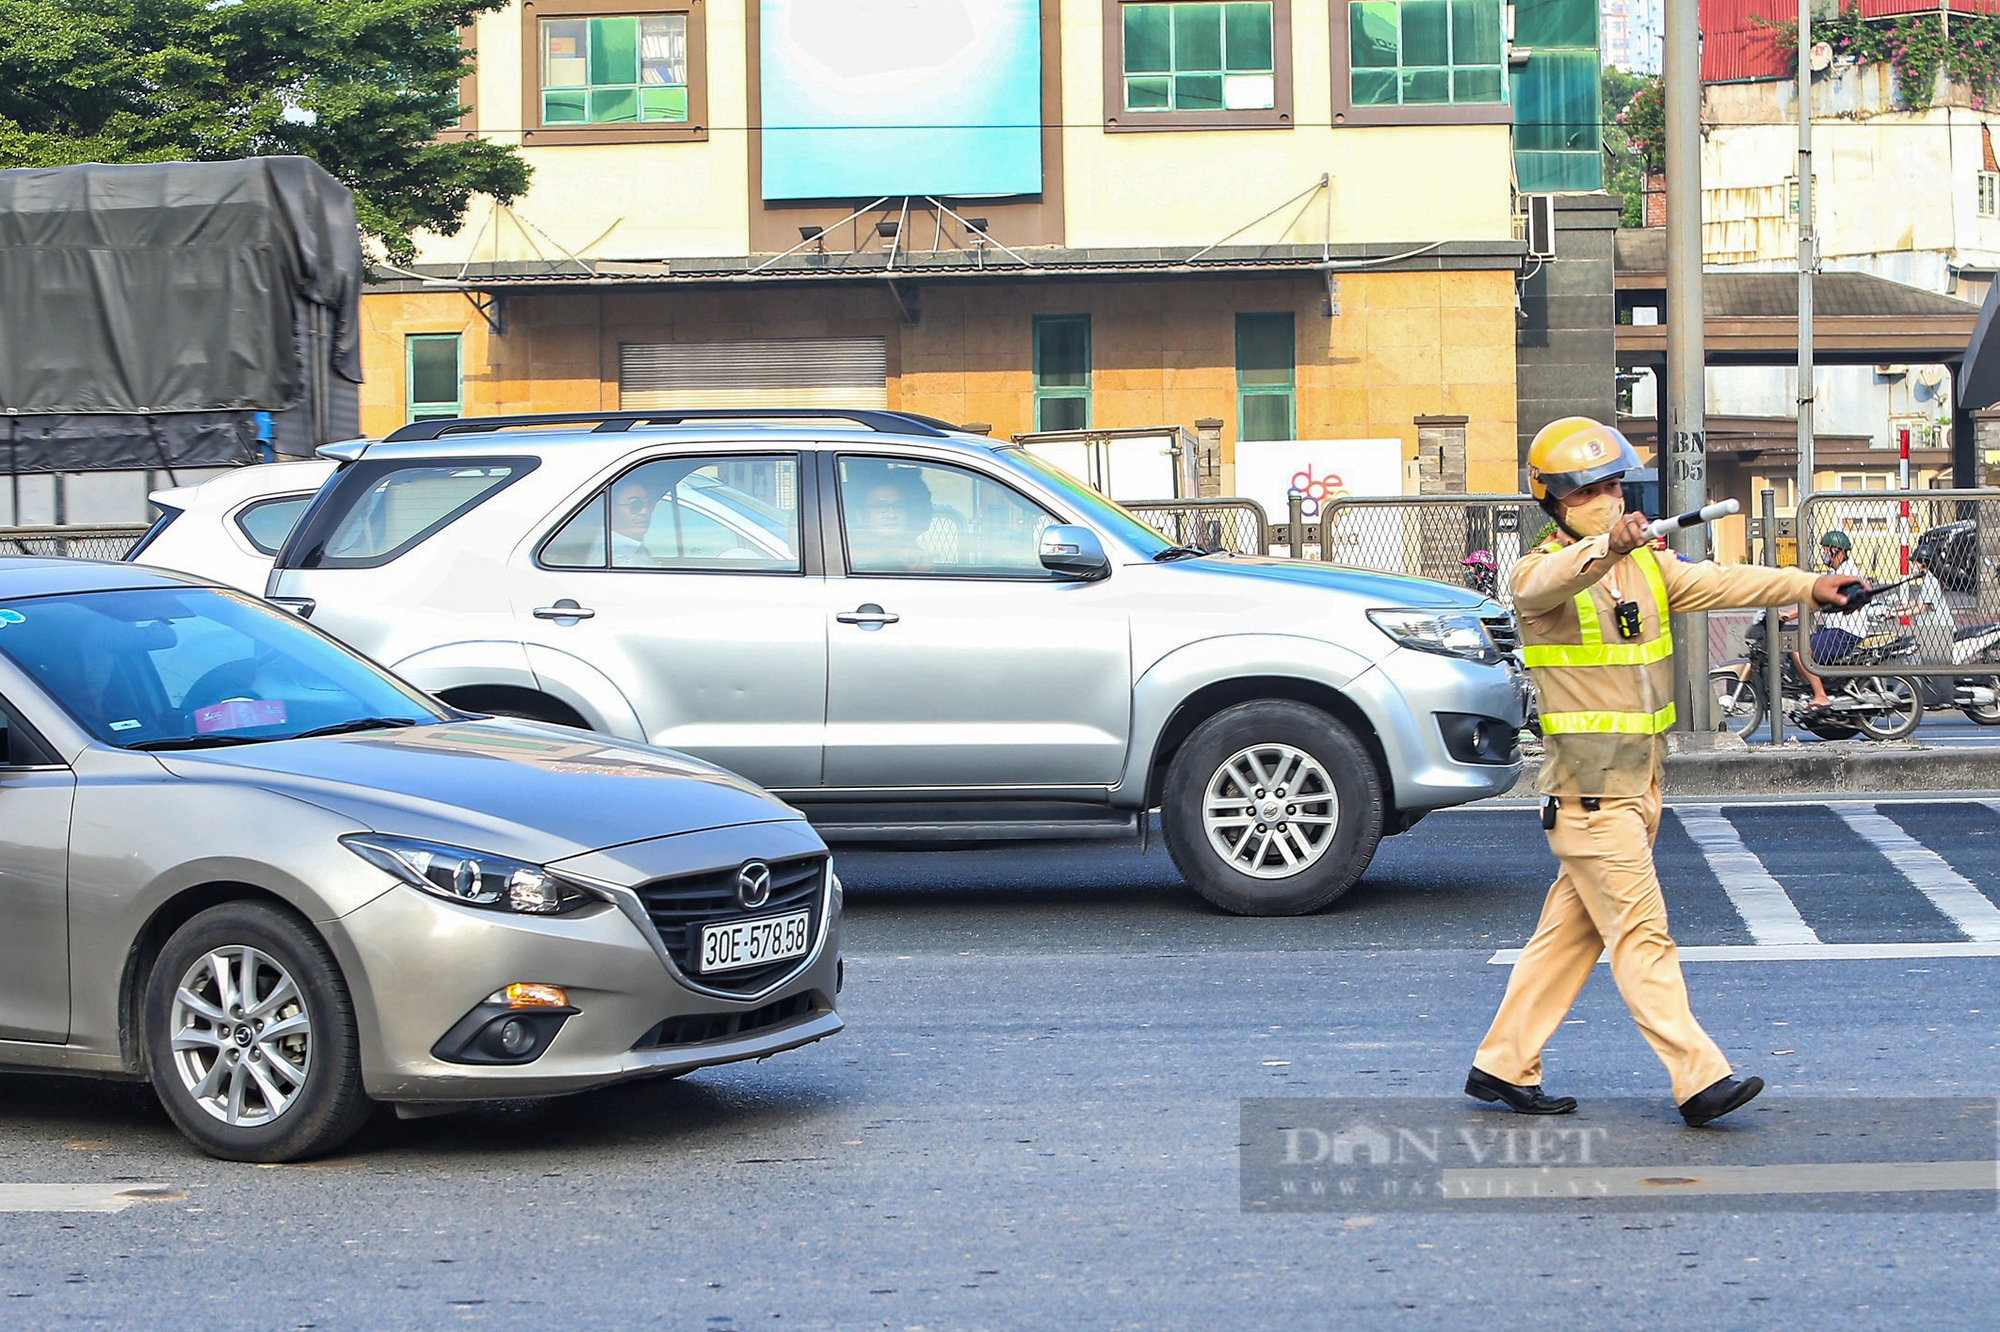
(1074, 552)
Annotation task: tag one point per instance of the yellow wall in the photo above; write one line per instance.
(1163, 351)
(611, 201)
(1196, 187)
(1191, 188)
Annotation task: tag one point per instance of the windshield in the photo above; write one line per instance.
(1101, 512)
(159, 668)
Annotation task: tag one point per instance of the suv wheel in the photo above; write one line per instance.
(250, 1037)
(1272, 809)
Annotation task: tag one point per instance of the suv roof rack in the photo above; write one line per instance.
(882, 422)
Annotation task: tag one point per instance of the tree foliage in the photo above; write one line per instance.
(363, 87)
(1634, 138)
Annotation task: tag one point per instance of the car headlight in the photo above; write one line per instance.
(470, 878)
(1447, 633)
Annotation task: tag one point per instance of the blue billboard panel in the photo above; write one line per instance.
(862, 98)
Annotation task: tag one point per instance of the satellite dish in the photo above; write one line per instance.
(1822, 56)
(1930, 376)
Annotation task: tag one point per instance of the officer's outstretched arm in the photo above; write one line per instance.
(1543, 579)
(1709, 586)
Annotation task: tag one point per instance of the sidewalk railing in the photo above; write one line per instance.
(1237, 525)
(1431, 536)
(76, 543)
(1945, 623)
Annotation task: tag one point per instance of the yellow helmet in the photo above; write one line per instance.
(1575, 452)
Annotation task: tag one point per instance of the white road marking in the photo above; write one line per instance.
(113, 1197)
(1744, 1180)
(1760, 899)
(1813, 952)
(1949, 891)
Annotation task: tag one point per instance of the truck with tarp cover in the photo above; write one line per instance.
(160, 320)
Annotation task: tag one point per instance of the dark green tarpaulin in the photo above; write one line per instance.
(183, 292)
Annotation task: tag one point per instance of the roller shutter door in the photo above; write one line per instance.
(787, 372)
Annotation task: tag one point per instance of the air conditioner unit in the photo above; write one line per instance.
(1542, 226)
(1891, 371)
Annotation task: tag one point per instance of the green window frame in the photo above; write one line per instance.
(1266, 376)
(1180, 55)
(434, 376)
(1425, 53)
(1062, 372)
(618, 70)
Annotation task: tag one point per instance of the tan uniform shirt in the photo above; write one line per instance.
(1545, 583)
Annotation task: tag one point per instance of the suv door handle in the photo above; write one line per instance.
(563, 610)
(869, 616)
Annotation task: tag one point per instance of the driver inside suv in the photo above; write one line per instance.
(888, 509)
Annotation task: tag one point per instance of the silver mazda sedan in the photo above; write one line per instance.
(243, 862)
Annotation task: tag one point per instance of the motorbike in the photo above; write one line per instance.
(1977, 696)
(1883, 706)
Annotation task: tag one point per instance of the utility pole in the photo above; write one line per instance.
(1683, 459)
(1806, 264)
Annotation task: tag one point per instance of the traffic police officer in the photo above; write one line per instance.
(1593, 604)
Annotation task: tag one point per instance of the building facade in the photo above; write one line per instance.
(1904, 194)
(1291, 219)
(1632, 34)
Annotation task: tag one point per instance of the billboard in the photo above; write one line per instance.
(864, 98)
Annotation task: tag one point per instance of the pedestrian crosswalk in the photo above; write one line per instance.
(1759, 898)
(1833, 879)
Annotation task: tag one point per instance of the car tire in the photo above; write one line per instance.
(238, 1093)
(1328, 822)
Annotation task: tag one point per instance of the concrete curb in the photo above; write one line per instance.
(1821, 769)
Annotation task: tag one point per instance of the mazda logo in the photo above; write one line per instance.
(753, 885)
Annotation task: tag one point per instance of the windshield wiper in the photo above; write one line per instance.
(1172, 553)
(358, 724)
(202, 741)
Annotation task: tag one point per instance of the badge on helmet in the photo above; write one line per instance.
(1575, 452)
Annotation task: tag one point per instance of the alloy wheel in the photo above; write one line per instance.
(1270, 811)
(242, 1038)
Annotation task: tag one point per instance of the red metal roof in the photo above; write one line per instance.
(1734, 47)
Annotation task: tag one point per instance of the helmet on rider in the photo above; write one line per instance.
(1480, 559)
(1837, 540)
(1571, 453)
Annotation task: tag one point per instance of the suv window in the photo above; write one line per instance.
(269, 521)
(930, 518)
(373, 512)
(714, 514)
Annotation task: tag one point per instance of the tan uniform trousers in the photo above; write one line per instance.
(1607, 898)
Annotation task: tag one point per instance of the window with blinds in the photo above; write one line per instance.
(779, 372)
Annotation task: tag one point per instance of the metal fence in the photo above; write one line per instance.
(1943, 547)
(1237, 525)
(76, 543)
(1433, 536)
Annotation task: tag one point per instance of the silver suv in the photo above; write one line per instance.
(912, 634)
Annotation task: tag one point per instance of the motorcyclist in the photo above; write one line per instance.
(1837, 633)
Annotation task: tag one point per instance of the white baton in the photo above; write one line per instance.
(1660, 527)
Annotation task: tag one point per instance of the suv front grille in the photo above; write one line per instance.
(680, 906)
(1506, 635)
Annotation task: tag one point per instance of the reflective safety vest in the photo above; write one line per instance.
(1594, 651)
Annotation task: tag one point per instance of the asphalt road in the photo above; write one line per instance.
(1033, 1119)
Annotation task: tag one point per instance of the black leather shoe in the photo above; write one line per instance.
(1521, 1100)
(1715, 1101)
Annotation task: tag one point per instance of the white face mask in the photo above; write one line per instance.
(1597, 516)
